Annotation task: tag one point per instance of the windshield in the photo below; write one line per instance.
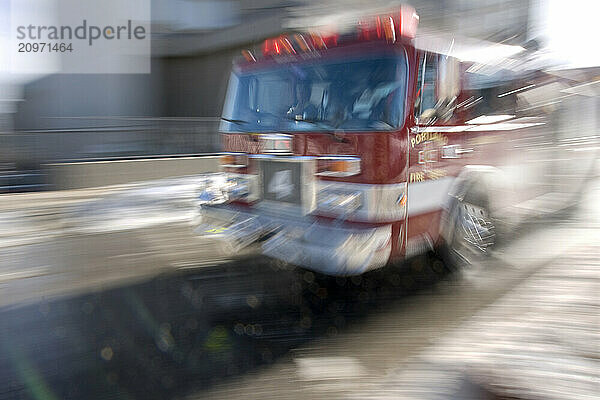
(360, 94)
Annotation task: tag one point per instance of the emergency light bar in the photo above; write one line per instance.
(387, 27)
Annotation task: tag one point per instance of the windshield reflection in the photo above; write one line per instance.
(362, 94)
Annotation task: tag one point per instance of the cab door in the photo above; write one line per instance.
(432, 163)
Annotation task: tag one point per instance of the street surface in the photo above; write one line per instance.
(107, 293)
(452, 338)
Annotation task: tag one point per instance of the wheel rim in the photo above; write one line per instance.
(475, 232)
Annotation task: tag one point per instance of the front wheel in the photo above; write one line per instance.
(471, 234)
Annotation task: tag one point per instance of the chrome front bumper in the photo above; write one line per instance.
(332, 248)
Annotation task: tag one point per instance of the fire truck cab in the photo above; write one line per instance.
(352, 149)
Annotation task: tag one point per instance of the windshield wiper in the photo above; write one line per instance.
(323, 124)
(293, 118)
(235, 121)
(318, 122)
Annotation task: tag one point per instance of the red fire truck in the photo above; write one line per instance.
(350, 149)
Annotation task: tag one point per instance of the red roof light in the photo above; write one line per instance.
(276, 46)
(389, 27)
(408, 22)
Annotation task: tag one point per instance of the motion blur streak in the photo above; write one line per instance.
(328, 199)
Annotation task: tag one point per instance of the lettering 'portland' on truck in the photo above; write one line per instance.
(351, 150)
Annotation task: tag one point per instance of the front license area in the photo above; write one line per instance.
(282, 181)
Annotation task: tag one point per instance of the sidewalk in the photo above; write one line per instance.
(540, 341)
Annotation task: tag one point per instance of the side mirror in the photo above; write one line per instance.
(428, 116)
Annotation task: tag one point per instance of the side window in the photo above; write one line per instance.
(427, 83)
(491, 94)
(439, 87)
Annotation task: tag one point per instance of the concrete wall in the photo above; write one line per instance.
(156, 137)
(105, 173)
(196, 86)
(64, 101)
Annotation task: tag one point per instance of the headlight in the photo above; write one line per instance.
(207, 196)
(211, 190)
(362, 202)
(237, 188)
(338, 202)
(223, 188)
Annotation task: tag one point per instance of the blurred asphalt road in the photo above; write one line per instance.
(108, 294)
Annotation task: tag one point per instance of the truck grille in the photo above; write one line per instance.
(288, 180)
